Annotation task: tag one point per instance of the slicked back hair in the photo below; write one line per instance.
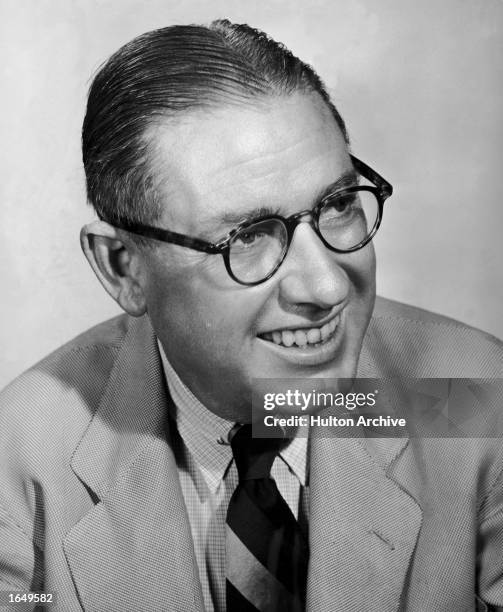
(168, 71)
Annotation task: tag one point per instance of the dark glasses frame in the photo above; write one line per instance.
(381, 189)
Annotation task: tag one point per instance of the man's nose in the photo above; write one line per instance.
(311, 273)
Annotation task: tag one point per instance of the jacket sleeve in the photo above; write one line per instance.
(20, 559)
(490, 557)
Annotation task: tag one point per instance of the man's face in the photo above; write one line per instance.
(278, 156)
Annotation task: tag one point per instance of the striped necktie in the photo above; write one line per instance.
(267, 554)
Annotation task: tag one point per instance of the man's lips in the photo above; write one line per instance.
(303, 336)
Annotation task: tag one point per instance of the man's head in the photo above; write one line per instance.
(195, 129)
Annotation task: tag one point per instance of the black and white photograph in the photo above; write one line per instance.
(252, 306)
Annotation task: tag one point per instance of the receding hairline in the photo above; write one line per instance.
(162, 124)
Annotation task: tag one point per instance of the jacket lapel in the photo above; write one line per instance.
(363, 525)
(363, 529)
(133, 550)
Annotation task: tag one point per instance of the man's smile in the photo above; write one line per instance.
(302, 337)
(307, 346)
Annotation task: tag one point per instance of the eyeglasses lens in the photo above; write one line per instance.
(256, 250)
(348, 219)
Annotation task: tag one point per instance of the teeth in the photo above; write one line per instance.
(325, 332)
(314, 336)
(287, 338)
(302, 338)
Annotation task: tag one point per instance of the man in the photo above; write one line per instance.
(235, 232)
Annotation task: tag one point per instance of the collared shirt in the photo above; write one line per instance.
(208, 477)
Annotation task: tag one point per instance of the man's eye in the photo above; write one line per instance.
(250, 238)
(341, 207)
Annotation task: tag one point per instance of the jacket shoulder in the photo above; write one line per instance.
(408, 341)
(65, 388)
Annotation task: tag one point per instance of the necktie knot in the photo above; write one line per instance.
(254, 456)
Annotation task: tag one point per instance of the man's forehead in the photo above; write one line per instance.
(242, 133)
(251, 149)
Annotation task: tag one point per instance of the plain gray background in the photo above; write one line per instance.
(418, 82)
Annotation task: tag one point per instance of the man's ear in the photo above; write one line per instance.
(115, 263)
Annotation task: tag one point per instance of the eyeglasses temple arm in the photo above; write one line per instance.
(370, 174)
(167, 236)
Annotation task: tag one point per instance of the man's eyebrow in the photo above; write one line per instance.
(237, 217)
(348, 179)
(232, 218)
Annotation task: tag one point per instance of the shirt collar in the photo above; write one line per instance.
(205, 434)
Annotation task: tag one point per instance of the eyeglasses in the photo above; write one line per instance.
(345, 221)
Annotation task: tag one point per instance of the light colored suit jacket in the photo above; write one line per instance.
(91, 507)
